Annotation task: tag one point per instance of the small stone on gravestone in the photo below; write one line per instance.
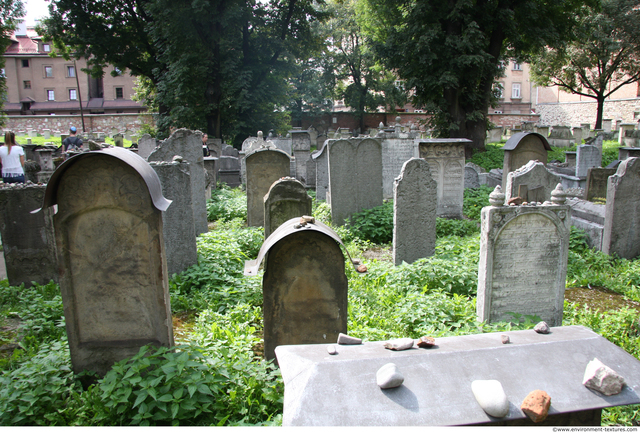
(332, 349)
(426, 342)
(505, 339)
(346, 339)
(542, 328)
(601, 378)
(536, 405)
(388, 376)
(399, 344)
(491, 397)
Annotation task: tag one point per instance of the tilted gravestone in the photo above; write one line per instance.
(597, 180)
(304, 286)
(622, 215)
(321, 159)
(264, 166)
(113, 274)
(414, 212)
(287, 198)
(586, 157)
(533, 183)
(188, 145)
(523, 259)
(178, 229)
(146, 145)
(446, 163)
(28, 240)
(522, 148)
(355, 177)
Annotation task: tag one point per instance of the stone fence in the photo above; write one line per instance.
(575, 113)
(93, 122)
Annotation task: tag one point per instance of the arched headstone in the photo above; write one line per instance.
(522, 148)
(264, 166)
(113, 274)
(287, 198)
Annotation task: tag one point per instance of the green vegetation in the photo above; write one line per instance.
(41, 141)
(216, 375)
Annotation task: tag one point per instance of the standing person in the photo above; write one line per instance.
(72, 142)
(12, 157)
(205, 148)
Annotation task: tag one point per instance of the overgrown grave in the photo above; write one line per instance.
(287, 198)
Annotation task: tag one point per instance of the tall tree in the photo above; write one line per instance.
(449, 52)
(603, 57)
(10, 13)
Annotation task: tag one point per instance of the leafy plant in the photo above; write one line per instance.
(375, 225)
(226, 204)
(491, 158)
(474, 200)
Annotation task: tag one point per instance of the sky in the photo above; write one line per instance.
(36, 9)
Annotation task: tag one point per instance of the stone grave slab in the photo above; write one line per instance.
(446, 164)
(395, 152)
(286, 199)
(535, 175)
(622, 218)
(523, 262)
(28, 239)
(587, 156)
(264, 167)
(340, 390)
(146, 145)
(522, 148)
(321, 159)
(597, 180)
(355, 176)
(229, 171)
(414, 212)
(560, 136)
(113, 274)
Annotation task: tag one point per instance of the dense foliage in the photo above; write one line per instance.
(216, 375)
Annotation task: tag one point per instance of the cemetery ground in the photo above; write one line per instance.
(217, 376)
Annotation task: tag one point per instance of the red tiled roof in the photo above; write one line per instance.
(22, 45)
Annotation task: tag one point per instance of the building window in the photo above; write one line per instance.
(27, 84)
(50, 95)
(46, 48)
(499, 88)
(515, 91)
(25, 63)
(71, 71)
(119, 93)
(48, 71)
(73, 95)
(517, 66)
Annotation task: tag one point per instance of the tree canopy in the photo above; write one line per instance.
(603, 56)
(220, 66)
(450, 52)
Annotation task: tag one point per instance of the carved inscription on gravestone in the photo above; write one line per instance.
(113, 274)
(395, 152)
(264, 166)
(523, 262)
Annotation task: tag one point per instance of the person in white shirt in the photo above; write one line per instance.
(12, 157)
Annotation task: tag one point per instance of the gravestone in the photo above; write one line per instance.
(178, 227)
(113, 274)
(494, 135)
(522, 148)
(597, 181)
(229, 171)
(570, 158)
(311, 173)
(523, 259)
(621, 133)
(628, 152)
(560, 136)
(355, 177)
(606, 124)
(321, 159)
(212, 167)
(446, 164)
(188, 145)
(230, 151)
(622, 217)
(28, 239)
(146, 145)
(587, 157)
(46, 133)
(301, 148)
(534, 181)
(286, 199)
(472, 175)
(304, 288)
(44, 157)
(543, 130)
(118, 139)
(577, 135)
(395, 152)
(414, 212)
(264, 167)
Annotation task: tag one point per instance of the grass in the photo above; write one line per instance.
(41, 141)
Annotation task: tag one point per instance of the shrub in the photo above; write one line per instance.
(447, 227)
(375, 225)
(491, 158)
(226, 204)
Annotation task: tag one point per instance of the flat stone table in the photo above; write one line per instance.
(340, 390)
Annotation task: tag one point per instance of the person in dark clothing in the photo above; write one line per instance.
(72, 142)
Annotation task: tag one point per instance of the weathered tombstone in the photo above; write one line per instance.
(301, 147)
(211, 166)
(528, 126)
(621, 133)
(311, 173)
(446, 164)
(570, 158)
(33, 133)
(113, 274)
(118, 140)
(628, 152)
(146, 145)
(597, 180)
(622, 218)
(304, 286)
(286, 199)
(46, 133)
(188, 145)
(264, 166)
(395, 152)
(178, 228)
(587, 157)
(522, 148)
(28, 240)
(414, 212)
(321, 159)
(472, 175)
(523, 259)
(543, 130)
(538, 179)
(229, 171)
(230, 151)
(577, 134)
(494, 135)
(606, 124)
(560, 136)
(44, 157)
(355, 177)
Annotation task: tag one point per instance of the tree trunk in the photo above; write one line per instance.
(599, 111)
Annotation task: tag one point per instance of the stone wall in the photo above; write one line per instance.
(575, 113)
(93, 122)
